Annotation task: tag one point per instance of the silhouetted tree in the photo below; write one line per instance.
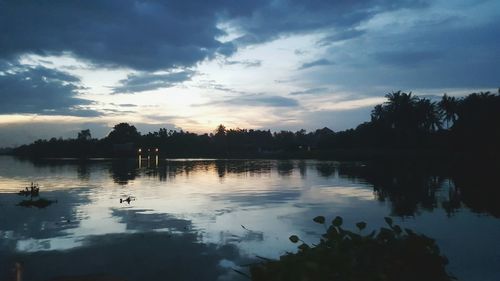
(399, 110)
(428, 116)
(449, 108)
(123, 133)
(220, 131)
(404, 121)
(84, 135)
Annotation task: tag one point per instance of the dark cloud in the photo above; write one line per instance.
(148, 81)
(310, 91)
(320, 62)
(422, 45)
(154, 35)
(256, 100)
(406, 58)
(279, 18)
(39, 90)
(449, 52)
(144, 35)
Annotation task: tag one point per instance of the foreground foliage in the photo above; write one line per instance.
(391, 254)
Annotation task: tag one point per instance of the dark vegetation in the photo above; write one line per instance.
(33, 191)
(413, 187)
(403, 125)
(389, 254)
(39, 203)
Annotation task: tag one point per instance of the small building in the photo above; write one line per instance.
(148, 151)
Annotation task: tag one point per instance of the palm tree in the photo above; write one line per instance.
(428, 115)
(399, 109)
(448, 107)
(377, 113)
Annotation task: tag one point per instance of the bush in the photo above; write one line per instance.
(391, 254)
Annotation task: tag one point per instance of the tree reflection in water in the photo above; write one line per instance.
(407, 187)
(411, 186)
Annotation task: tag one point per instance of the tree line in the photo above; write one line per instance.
(404, 122)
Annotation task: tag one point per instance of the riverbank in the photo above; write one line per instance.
(332, 154)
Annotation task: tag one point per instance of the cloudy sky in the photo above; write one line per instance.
(284, 64)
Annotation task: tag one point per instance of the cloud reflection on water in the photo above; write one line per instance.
(249, 205)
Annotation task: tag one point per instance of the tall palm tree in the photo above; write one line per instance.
(377, 113)
(428, 115)
(399, 108)
(448, 107)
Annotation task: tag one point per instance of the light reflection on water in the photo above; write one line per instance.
(222, 212)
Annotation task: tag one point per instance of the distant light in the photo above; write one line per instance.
(139, 150)
(156, 149)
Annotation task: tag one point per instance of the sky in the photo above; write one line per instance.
(192, 65)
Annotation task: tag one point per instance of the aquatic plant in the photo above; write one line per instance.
(388, 254)
(40, 203)
(33, 191)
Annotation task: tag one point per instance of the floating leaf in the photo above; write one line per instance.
(294, 238)
(319, 219)
(385, 234)
(388, 220)
(397, 229)
(409, 231)
(337, 221)
(361, 225)
(351, 235)
(331, 232)
(304, 247)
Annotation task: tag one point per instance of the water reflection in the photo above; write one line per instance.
(325, 169)
(123, 171)
(148, 161)
(136, 256)
(225, 211)
(409, 188)
(412, 188)
(477, 188)
(39, 224)
(285, 167)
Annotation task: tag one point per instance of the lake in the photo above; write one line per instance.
(198, 219)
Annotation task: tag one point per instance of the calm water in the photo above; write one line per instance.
(199, 219)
